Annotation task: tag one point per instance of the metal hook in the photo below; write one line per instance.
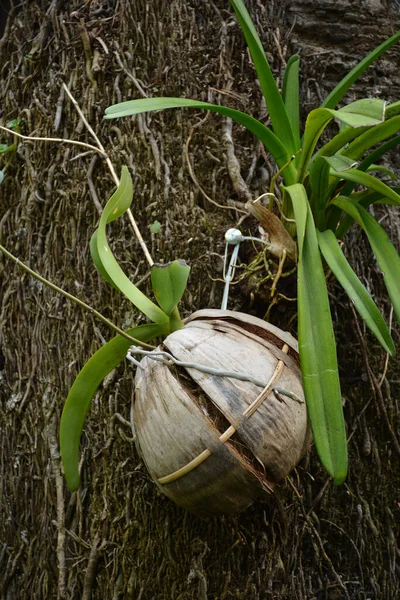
(233, 237)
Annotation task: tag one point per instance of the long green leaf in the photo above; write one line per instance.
(369, 160)
(368, 181)
(323, 187)
(337, 94)
(358, 114)
(97, 260)
(339, 162)
(340, 141)
(317, 345)
(349, 186)
(267, 137)
(104, 258)
(82, 391)
(392, 110)
(372, 137)
(385, 253)
(290, 95)
(373, 168)
(319, 183)
(273, 99)
(169, 283)
(366, 197)
(363, 302)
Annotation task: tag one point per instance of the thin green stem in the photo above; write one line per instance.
(74, 299)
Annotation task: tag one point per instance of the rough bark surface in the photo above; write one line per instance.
(118, 537)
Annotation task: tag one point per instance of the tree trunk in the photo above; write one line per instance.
(118, 537)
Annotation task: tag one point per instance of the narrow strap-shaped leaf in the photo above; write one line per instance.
(84, 388)
(267, 137)
(273, 99)
(368, 181)
(392, 110)
(319, 183)
(366, 197)
(353, 287)
(349, 186)
(337, 94)
(323, 187)
(385, 253)
(365, 114)
(290, 95)
(340, 141)
(370, 138)
(371, 108)
(104, 258)
(373, 168)
(169, 283)
(317, 345)
(370, 160)
(340, 163)
(97, 260)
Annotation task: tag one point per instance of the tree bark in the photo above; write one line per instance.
(117, 537)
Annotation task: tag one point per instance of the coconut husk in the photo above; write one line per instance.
(172, 431)
(214, 443)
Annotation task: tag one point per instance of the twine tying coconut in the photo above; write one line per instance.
(213, 441)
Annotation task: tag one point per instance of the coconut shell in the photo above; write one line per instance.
(172, 431)
(214, 443)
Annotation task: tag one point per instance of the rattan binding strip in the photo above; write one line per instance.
(250, 410)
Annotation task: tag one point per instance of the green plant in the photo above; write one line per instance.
(9, 151)
(168, 283)
(318, 192)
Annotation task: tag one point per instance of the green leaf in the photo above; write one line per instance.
(368, 181)
(384, 170)
(1, 176)
(104, 258)
(169, 283)
(13, 124)
(392, 110)
(290, 95)
(4, 148)
(337, 94)
(273, 99)
(82, 391)
(267, 137)
(340, 163)
(367, 111)
(317, 345)
(365, 114)
(349, 186)
(319, 183)
(372, 137)
(385, 253)
(322, 188)
(155, 227)
(363, 302)
(97, 260)
(340, 141)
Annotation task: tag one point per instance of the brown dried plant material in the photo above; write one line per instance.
(280, 240)
(214, 444)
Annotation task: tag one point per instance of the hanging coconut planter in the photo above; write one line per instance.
(214, 443)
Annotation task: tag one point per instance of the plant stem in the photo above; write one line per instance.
(74, 299)
(46, 139)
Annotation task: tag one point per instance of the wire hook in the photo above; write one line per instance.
(233, 237)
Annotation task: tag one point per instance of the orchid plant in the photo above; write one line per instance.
(324, 189)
